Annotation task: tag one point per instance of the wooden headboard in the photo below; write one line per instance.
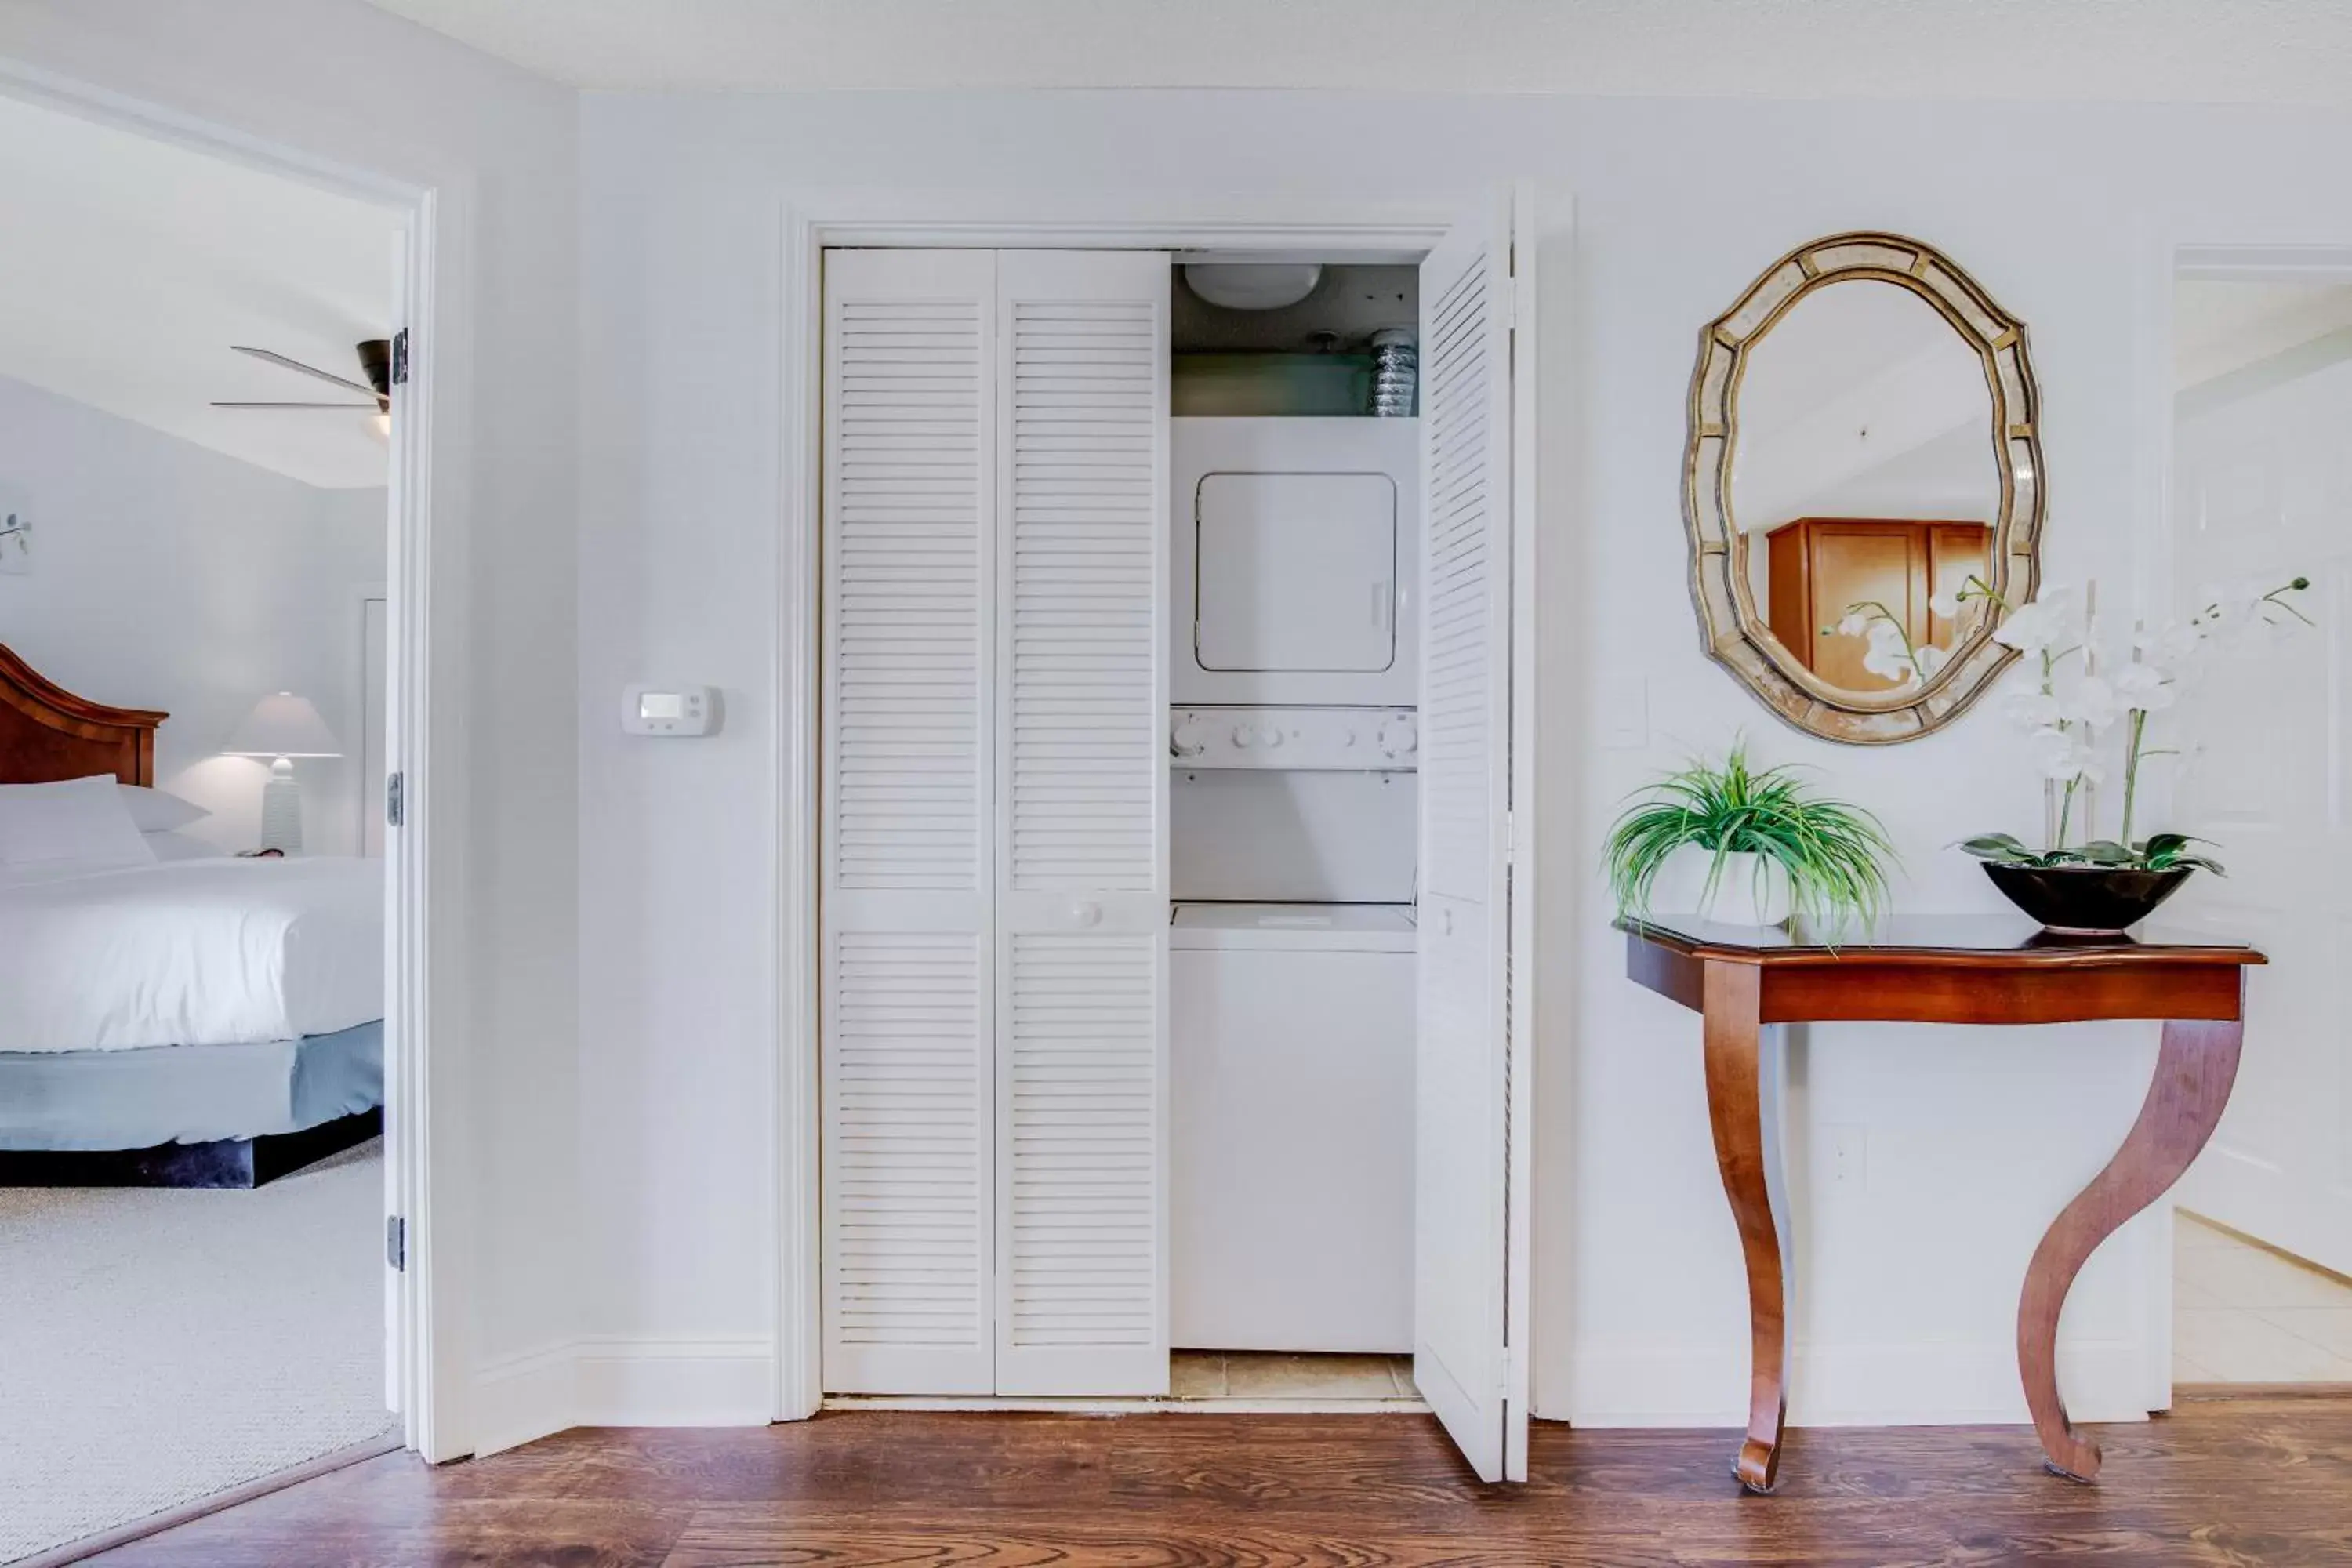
(47, 733)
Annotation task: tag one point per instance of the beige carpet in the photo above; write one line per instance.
(157, 1347)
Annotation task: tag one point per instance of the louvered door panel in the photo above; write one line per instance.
(1082, 1109)
(1082, 909)
(1465, 1089)
(909, 838)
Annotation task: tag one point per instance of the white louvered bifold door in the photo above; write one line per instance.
(1463, 1232)
(908, 843)
(1082, 910)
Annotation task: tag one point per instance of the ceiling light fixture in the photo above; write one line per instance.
(1253, 285)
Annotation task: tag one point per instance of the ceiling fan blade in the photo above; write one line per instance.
(369, 406)
(279, 359)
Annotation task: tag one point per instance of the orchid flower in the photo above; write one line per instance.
(2142, 687)
(2033, 710)
(2092, 703)
(2039, 626)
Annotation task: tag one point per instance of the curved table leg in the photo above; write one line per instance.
(1737, 1101)
(2194, 1070)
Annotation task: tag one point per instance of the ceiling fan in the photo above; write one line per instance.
(376, 363)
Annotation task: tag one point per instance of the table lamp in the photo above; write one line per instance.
(281, 727)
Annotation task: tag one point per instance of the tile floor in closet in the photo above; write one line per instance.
(2244, 1314)
(1251, 1375)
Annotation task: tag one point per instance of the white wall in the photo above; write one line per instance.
(167, 575)
(1908, 1281)
(359, 90)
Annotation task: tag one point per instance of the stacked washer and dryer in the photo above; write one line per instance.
(1293, 825)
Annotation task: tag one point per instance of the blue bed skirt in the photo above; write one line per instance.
(187, 1094)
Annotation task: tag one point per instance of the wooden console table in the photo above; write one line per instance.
(1946, 970)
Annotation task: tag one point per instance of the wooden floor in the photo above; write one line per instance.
(2237, 1482)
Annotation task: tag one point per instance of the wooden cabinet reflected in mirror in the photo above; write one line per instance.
(1816, 569)
(1863, 445)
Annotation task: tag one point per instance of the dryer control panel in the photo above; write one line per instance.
(1385, 739)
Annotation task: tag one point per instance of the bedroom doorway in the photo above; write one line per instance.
(216, 362)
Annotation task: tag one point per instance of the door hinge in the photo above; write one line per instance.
(395, 1243)
(400, 357)
(395, 799)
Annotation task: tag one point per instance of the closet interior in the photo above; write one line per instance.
(1294, 684)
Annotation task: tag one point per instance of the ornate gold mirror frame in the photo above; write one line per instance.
(1736, 638)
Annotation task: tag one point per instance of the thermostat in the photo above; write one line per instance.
(669, 710)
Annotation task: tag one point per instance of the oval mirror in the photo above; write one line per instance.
(1864, 486)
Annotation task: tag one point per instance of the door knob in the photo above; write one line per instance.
(1087, 912)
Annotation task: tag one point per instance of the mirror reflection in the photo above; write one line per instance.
(1865, 486)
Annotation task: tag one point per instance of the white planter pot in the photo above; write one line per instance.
(1740, 897)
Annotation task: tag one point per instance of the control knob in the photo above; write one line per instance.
(1400, 736)
(1189, 740)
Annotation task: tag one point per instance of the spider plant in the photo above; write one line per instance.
(1834, 854)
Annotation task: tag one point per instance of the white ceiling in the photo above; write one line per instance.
(2291, 51)
(127, 267)
(1862, 379)
(2219, 326)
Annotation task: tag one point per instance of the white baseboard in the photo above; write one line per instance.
(694, 1382)
(622, 1381)
(523, 1398)
(1947, 1385)
(2257, 1198)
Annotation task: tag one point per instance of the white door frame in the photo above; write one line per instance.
(1255, 228)
(424, 1157)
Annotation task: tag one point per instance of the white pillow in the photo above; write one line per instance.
(155, 811)
(181, 847)
(80, 821)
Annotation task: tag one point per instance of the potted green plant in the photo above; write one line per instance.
(2080, 882)
(1742, 845)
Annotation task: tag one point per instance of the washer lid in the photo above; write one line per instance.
(1325, 928)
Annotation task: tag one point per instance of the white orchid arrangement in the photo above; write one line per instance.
(2069, 710)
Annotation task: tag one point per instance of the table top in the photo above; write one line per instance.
(2001, 939)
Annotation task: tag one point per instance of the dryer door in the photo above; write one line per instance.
(1294, 553)
(1298, 572)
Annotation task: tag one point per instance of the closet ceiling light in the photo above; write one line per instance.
(1253, 285)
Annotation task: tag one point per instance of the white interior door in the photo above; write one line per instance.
(908, 845)
(1082, 910)
(2263, 488)
(1471, 1252)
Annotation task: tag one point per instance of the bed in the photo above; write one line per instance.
(203, 1021)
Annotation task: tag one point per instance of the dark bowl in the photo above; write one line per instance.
(2086, 900)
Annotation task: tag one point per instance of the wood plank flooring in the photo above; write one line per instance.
(2226, 1482)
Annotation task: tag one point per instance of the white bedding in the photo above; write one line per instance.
(208, 951)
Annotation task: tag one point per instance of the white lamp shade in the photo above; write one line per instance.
(283, 725)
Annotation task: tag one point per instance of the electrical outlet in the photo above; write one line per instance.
(1848, 1144)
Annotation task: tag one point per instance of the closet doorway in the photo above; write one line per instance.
(1063, 711)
